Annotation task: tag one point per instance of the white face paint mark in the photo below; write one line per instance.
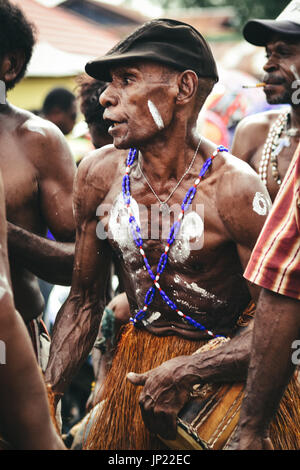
(156, 115)
(154, 316)
(190, 237)
(260, 204)
(294, 72)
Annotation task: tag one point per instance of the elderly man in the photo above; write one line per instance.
(150, 199)
(38, 172)
(267, 141)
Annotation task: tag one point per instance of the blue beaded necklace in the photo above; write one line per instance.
(136, 234)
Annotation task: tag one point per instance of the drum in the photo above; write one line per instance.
(209, 419)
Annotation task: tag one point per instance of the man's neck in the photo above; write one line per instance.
(168, 158)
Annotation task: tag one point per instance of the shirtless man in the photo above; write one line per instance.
(25, 421)
(38, 172)
(159, 79)
(277, 131)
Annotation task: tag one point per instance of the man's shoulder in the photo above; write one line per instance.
(40, 137)
(258, 122)
(100, 163)
(96, 174)
(238, 179)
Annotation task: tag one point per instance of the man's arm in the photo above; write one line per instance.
(48, 259)
(249, 135)
(25, 420)
(276, 327)
(55, 172)
(77, 323)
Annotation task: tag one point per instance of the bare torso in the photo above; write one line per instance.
(23, 140)
(203, 276)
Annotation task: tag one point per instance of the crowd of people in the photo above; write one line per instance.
(179, 257)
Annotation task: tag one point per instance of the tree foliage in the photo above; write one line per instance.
(245, 9)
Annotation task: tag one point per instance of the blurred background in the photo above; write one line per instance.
(71, 32)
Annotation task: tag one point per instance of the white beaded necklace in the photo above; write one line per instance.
(273, 147)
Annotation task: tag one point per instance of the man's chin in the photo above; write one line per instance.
(278, 99)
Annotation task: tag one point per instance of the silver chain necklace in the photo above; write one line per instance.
(163, 206)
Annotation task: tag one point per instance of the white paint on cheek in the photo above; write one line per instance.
(260, 204)
(294, 72)
(156, 115)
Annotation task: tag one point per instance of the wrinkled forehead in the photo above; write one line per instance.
(142, 67)
(282, 39)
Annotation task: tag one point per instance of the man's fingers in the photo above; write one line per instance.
(136, 379)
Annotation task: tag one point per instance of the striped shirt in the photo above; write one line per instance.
(275, 260)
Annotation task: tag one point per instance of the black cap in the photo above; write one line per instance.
(287, 24)
(166, 41)
(259, 32)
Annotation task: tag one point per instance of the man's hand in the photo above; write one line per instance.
(247, 440)
(166, 390)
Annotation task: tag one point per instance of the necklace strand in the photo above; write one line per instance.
(269, 149)
(136, 233)
(163, 204)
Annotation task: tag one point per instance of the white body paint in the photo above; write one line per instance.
(119, 224)
(198, 290)
(260, 204)
(156, 115)
(153, 317)
(33, 128)
(190, 237)
(4, 287)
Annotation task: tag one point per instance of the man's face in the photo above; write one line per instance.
(68, 119)
(140, 102)
(281, 69)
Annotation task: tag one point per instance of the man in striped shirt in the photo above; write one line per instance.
(275, 266)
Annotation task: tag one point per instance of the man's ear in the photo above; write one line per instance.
(12, 65)
(187, 86)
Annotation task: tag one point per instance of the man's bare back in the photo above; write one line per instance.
(38, 173)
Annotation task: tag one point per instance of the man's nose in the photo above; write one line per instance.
(108, 97)
(270, 65)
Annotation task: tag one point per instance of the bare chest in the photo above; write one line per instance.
(19, 179)
(274, 164)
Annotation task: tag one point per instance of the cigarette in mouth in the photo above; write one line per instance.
(257, 85)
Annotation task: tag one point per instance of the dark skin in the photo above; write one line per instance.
(64, 119)
(269, 371)
(38, 172)
(208, 277)
(276, 313)
(25, 423)
(251, 133)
